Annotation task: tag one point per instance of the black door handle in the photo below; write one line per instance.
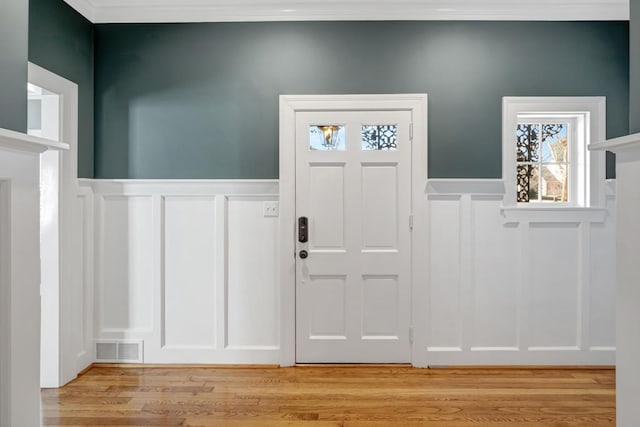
(303, 229)
(304, 254)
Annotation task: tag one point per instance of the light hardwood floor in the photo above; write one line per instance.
(372, 396)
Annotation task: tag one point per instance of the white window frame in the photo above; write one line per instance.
(588, 115)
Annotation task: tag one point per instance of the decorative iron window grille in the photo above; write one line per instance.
(542, 162)
(379, 137)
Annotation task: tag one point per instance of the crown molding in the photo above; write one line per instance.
(84, 8)
(144, 11)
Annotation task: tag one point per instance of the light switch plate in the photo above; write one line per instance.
(271, 209)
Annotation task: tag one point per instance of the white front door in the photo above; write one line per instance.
(353, 280)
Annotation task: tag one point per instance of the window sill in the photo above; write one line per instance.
(542, 214)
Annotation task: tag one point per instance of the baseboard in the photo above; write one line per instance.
(182, 366)
(348, 365)
(527, 367)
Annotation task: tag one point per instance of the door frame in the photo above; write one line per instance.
(66, 312)
(5, 301)
(289, 106)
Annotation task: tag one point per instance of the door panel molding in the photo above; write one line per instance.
(290, 105)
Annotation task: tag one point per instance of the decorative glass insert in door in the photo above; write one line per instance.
(543, 163)
(327, 137)
(379, 137)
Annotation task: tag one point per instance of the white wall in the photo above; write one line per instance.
(191, 268)
(24, 287)
(20, 278)
(513, 286)
(627, 151)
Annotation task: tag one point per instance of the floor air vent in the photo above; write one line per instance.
(119, 351)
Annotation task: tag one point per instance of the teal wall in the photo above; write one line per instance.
(201, 100)
(61, 40)
(13, 64)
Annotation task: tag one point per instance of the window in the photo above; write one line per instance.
(327, 137)
(43, 113)
(379, 137)
(546, 162)
(545, 159)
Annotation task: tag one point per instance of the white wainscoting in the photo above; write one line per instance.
(189, 268)
(515, 286)
(83, 339)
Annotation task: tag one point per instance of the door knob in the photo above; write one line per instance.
(304, 254)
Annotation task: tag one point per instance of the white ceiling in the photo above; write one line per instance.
(103, 11)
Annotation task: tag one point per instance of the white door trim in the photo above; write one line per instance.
(69, 364)
(5, 301)
(289, 105)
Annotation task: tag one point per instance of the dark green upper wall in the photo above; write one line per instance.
(13, 64)
(61, 40)
(201, 100)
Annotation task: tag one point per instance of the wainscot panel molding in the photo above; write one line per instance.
(83, 345)
(189, 268)
(518, 286)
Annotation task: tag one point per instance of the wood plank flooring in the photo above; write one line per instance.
(371, 396)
